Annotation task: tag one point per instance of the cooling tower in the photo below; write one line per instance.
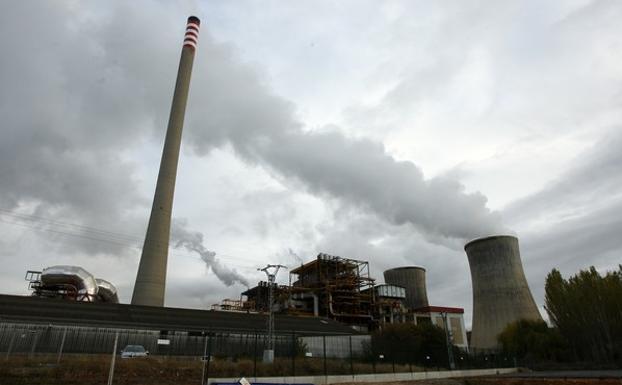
(151, 278)
(411, 278)
(500, 291)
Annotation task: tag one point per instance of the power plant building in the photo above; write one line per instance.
(342, 289)
(440, 316)
(328, 286)
(501, 294)
(339, 285)
(389, 304)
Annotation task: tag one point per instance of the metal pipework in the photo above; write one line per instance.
(501, 294)
(151, 278)
(74, 276)
(107, 291)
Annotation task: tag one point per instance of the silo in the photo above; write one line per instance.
(411, 278)
(500, 291)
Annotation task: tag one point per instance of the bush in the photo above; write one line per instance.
(533, 340)
(422, 344)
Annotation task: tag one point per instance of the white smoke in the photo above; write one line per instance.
(193, 241)
(291, 253)
(262, 128)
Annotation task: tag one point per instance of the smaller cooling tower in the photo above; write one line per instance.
(500, 291)
(411, 278)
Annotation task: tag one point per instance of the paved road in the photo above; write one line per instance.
(568, 374)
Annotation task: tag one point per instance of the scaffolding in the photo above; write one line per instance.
(258, 297)
(338, 286)
(234, 305)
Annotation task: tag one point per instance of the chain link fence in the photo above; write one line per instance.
(51, 354)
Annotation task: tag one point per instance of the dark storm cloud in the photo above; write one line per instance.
(576, 221)
(581, 210)
(73, 98)
(572, 245)
(592, 179)
(580, 242)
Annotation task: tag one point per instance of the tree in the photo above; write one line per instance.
(531, 340)
(410, 343)
(587, 310)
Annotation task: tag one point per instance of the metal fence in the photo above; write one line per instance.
(68, 353)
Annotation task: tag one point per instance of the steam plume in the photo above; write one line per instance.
(262, 129)
(193, 241)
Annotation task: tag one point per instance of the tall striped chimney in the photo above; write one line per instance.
(151, 278)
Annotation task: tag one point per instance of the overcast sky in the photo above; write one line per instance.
(391, 132)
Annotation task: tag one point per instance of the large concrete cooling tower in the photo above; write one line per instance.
(151, 278)
(500, 291)
(411, 278)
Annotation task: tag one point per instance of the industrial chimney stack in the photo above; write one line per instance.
(151, 278)
(500, 291)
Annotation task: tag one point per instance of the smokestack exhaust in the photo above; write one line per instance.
(151, 278)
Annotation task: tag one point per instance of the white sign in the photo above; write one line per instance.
(244, 381)
(381, 356)
(164, 342)
(308, 354)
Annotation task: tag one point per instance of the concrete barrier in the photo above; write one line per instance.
(380, 377)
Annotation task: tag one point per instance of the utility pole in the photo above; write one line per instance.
(271, 272)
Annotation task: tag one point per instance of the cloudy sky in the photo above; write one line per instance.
(391, 132)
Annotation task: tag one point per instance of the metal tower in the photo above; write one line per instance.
(271, 272)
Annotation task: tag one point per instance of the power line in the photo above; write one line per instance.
(34, 218)
(93, 234)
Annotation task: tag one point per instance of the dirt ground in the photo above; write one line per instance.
(542, 381)
(503, 381)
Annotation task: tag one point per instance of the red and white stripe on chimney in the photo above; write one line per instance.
(191, 39)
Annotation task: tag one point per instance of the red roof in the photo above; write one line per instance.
(439, 309)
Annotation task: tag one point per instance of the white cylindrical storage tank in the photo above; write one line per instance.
(501, 294)
(412, 279)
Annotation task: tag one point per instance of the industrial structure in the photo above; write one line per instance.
(389, 304)
(328, 286)
(501, 294)
(337, 285)
(343, 290)
(151, 277)
(71, 283)
(449, 318)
